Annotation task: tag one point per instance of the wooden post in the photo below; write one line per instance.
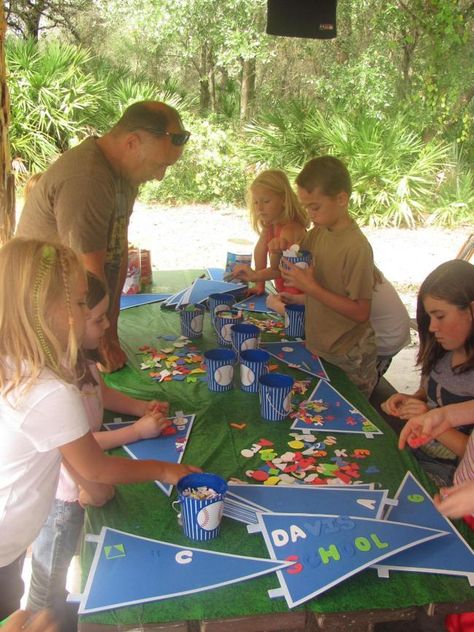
(7, 179)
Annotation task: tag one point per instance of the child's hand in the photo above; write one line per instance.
(259, 288)
(151, 426)
(392, 404)
(172, 472)
(457, 501)
(412, 407)
(423, 428)
(291, 299)
(96, 495)
(41, 621)
(155, 406)
(300, 278)
(243, 272)
(274, 302)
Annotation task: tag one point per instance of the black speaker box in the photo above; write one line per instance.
(302, 18)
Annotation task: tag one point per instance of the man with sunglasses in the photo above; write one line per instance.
(86, 197)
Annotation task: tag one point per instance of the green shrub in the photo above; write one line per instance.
(210, 170)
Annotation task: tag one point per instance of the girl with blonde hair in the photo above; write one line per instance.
(280, 221)
(43, 422)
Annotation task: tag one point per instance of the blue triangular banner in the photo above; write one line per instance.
(296, 355)
(363, 503)
(201, 288)
(128, 569)
(329, 411)
(166, 447)
(326, 550)
(454, 557)
(135, 300)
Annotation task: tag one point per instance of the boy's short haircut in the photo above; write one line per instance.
(327, 173)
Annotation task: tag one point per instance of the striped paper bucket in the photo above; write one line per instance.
(220, 369)
(253, 364)
(192, 320)
(294, 321)
(218, 302)
(275, 396)
(201, 519)
(244, 336)
(223, 321)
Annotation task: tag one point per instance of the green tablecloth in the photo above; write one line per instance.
(215, 446)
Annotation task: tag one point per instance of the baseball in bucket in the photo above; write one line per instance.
(223, 322)
(294, 320)
(192, 320)
(244, 336)
(201, 500)
(275, 396)
(220, 369)
(219, 302)
(253, 364)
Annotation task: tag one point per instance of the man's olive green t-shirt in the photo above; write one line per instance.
(82, 203)
(344, 264)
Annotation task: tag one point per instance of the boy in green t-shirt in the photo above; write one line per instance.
(338, 286)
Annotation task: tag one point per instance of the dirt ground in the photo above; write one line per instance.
(199, 236)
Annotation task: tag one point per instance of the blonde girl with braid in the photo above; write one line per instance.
(43, 313)
(280, 221)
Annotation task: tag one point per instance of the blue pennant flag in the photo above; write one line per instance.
(135, 300)
(128, 569)
(295, 355)
(363, 503)
(327, 410)
(326, 550)
(169, 446)
(452, 556)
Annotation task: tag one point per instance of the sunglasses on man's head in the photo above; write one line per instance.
(177, 138)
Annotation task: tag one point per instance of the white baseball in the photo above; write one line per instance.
(196, 323)
(301, 264)
(249, 343)
(226, 332)
(224, 375)
(247, 376)
(210, 517)
(287, 324)
(287, 403)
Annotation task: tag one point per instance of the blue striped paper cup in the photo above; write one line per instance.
(303, 259)
(253, 364)
(218, 302)
(201, 519)
(275, 396)
(294, 320)
(244, 336)
(220, 369)
(223, 322)
(192, 321)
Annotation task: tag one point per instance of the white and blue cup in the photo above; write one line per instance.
(219, 302)
(294, 320)
(301, 259)
(244, 336)
(220, 369)
(253, 364)
(223, 321)
(192, 320)
(201, 516)
(274, 391)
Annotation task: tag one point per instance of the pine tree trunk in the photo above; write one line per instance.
(7, 182)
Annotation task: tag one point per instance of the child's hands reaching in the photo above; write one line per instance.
(151, 425)
(41, 621)
(155, 406)
(172, 472)
(423, 428)
(243, 272)
(404, 406)
(300, 278)
(457, 501)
